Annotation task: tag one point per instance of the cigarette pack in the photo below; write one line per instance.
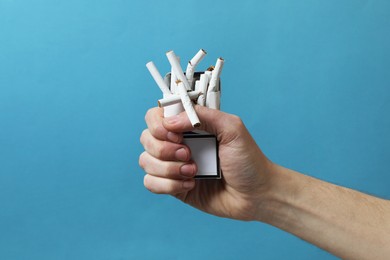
(203, 145)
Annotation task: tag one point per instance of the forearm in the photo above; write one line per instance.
(345, 222)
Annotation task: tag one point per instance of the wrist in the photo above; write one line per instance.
(275, 200)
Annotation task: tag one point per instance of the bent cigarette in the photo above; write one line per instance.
(187, 104)
(177, 69)
(157, 77)
(174, 99)
(198, 57)
(215, 75)
(192, 65)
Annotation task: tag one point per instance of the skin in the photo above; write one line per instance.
(347, 223)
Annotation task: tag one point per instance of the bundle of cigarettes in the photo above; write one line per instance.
(182, 90)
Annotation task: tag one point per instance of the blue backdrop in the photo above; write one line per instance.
(309, 78)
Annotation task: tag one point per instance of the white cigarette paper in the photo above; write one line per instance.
(213, 100)
(196, 88)
(203, 82)
(215, 75)
(173, 84)
(174, 99)
(187, 104)
(157, 77)
(174, 109)
(177, 69)
(192, 65)
(173, 79)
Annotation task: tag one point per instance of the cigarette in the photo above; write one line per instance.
(173, 79)
(213, 100)
(157, 77)
(173, 110)
(192, 65)
(187, 104)
(196, 88)
(198, 57)
(215, 75)
(177, 69)
(173, 84)
(174, 99)
(203, 82)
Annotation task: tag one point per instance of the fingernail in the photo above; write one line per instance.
(173, 137)
(181, 155)
(172, 119)
(187, 170)
(188, 184)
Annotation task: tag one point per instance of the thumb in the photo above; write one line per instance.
(213, 121)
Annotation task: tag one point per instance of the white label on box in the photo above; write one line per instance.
(204, 151)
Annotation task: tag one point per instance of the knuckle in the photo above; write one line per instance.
(172, 170)
(236, 122)
(172, 187)
(158, 130)
(159, 151)
(164, 151)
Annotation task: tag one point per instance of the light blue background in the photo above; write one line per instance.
(310, 79)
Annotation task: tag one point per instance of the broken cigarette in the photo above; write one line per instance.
(174, 99)
(173, 60)
(187, 104)
(192, 65)
(213, 85)
(157, 77)
(203, 82)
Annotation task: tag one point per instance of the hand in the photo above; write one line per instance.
(169, 169)
(347, 223)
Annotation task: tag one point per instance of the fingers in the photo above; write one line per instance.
(212, 121)
(154, 118)
(167, 177)
(167, 186)
(166, 169)
(164, 150)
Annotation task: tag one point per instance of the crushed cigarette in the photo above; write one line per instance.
(192, 65)
(173, 60)
(178, 93)
(187, 104)
(174, 99)
(215, 75)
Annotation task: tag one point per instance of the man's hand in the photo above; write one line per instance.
(347, 223)
(170, 170)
